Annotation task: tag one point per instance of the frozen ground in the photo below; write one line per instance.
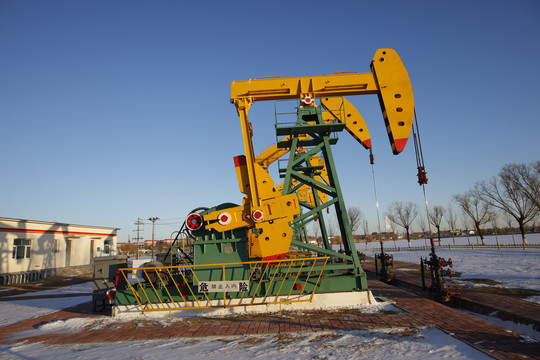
(404, 344)
(513, 268)
(14, 311)
(399, 343)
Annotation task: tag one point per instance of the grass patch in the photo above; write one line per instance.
(225, 340)
(286, 339)
(324, 337)
(252, 341)
(405, 332)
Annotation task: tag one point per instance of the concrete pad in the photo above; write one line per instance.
(327, 301)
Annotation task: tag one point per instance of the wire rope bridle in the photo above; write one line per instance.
(422, 174)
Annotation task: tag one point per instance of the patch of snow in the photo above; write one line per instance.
(71, 289)
(534, 299)
(17, 310)
(417, 344)
(512, 268)
(379, 306)
(74, 325)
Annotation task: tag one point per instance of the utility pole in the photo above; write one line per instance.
(139, 222)
(153, 220)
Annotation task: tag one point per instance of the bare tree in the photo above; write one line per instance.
(365, 226)
(355, 218)
(403, 214)
(127, 249)
(393, 236)
(390, 225)
(494, 221)
(526, 178)
(451, 219)
(508, 220)
(422, 224)
(504, 193)
(436, 217)
(476, 209)
(466, 221)
(533, 183)
(331, 221)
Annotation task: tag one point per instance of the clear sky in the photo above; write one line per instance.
(116, 110)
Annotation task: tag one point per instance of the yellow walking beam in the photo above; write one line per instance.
(388, 79)
(341, 110)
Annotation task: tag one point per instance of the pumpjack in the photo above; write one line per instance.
(253, 238)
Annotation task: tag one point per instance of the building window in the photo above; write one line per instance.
(21, 249)
(107, 246)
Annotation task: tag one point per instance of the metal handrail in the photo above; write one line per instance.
(169, 302)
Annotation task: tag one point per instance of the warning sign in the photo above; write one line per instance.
(223, 286)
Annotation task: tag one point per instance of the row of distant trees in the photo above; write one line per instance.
(512, 195)
(131, 248)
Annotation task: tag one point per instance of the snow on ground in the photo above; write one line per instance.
(82, 324)
(400, 343)
(404, 344)
(513, 268)
(71, 289)
(17, 310)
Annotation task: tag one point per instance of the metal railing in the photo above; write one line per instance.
(21, 278)
(175, 295)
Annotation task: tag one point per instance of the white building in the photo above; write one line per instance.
(31, 249)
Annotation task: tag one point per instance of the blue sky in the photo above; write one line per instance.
(114, 110)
